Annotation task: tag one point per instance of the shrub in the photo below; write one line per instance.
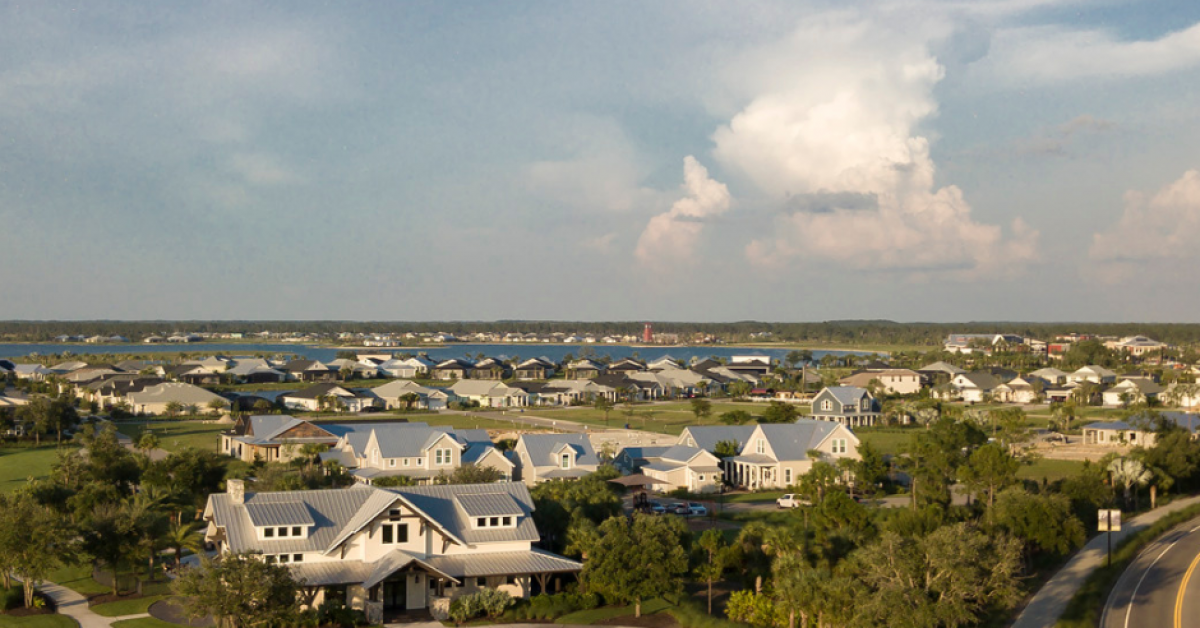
(11, 598)
(543, 607)
(333, 613)
(754, 609)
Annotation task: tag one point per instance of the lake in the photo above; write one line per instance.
(553, 352)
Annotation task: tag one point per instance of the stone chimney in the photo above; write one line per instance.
(236, 490)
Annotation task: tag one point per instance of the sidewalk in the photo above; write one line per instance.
(1048, 604)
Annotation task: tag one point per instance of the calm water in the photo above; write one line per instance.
(554, 352)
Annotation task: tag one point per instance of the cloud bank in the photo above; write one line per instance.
(1161, 230)
(836, 113)
(672, 237)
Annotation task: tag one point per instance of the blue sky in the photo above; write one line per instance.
(913, 160)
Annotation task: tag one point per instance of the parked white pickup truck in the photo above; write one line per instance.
(791, 500)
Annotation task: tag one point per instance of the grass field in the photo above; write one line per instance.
(78, 578)
(17, 465)
(39, 621)
(663, 418)
(459, 421)
(887, 440)
(1050, 470)
(594, 615)
(177, 435)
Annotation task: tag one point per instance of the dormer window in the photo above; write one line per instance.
(760, 446)
(506, 521)
(566, 461)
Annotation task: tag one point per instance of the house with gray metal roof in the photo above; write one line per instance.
(542, 457)
(388, 551)
(371, 450)
(774, 455)
(676, 466)
(849, 405)
(273, 437)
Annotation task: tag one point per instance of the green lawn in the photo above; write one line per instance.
(121, 608)
(79, 579)
(752, 498)
(1050, 470)
(143, 622)
(664, 418)
(608, 612)
(466, 422)
(16, 465)
(178, 435)
(887, 440)
(39, 621)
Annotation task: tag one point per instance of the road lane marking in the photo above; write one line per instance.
(1182, 588)
(1133, 596)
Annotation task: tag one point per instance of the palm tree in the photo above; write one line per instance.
(216, 406)
(192, 409)
(183, 536)
(147, 442)
(173, 408)
(1129, 473)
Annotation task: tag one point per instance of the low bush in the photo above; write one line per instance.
(543, 607)
(691, 614)
(11, 598)
(488, 602)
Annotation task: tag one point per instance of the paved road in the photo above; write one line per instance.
(1048, 604)
(1160, 587)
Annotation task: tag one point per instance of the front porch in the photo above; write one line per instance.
(752, 472)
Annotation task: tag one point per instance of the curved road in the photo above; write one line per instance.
(1161, 587)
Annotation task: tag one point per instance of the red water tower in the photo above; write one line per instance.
(648, 334)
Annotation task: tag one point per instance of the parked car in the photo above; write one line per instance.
(679, 509)
(791, 500)
(696, 509)
(657, 508)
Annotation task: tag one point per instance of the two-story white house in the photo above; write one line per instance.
(676, 466)
(774, 455)
(542, 457)
(388, 551)
(416, 450)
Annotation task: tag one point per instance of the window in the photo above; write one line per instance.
(374, 456)
(270, 559)
(297, 558)
(760, 446)
(566, 461)
(419, 461)
(701, 477)
(295, 530)
(283, 532)
(284, 559)
(406, 462)
(481, 582)
(269, 533)
(510, 580)
(507, 521)
(394, 533)
(494, 522)
(441, 457)
(839, 445)
(787, 476)
(481, 522)
(391, 462)
(827, 405)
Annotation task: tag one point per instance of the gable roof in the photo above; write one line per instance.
(846, 395)
(541, 446)
(941, 367)
(791, 441)
(706, 437)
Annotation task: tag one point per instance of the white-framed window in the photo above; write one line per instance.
(282, 532)
(760, 446)
(374, 456)
(393, 532)
(839, 445)
(566, 461)
(787, 476)
(406, 462)
(442, 457)
(505, 521)
(391, 462)
(827, 405)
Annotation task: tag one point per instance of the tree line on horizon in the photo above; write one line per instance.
(841, 332)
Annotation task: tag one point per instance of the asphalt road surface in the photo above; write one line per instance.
(1161, 588)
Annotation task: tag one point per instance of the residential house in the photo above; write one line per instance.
(894, 381)
(389, 551)
(625, 366)
(849, 405)
(1026, 389)
(535, 368)
(939, 373)
(675, 382)
(392, 394)
(255, 371)
(774, 455)
(155, 399)
(1138, 430)
(372, 450)
(309, 371)
(1131, 390)
(34, 372)
(542, 457)
(451, 369)
(408, 368)
(1051, 375)
(663, 363)
(491, 368)
(678, 466)
(565, 392)
(273, 437)
(489, 393)
(1136, 345)
(355, 369)
(327, 396)
(1094, 374)
(756, 366)
(584, 369)
(974, 387)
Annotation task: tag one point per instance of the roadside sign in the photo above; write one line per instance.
(1109, 521)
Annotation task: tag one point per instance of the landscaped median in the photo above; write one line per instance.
(1085, 607)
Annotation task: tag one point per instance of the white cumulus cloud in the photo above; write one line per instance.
(671, 237)
(836, 114)
(1156, 230)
